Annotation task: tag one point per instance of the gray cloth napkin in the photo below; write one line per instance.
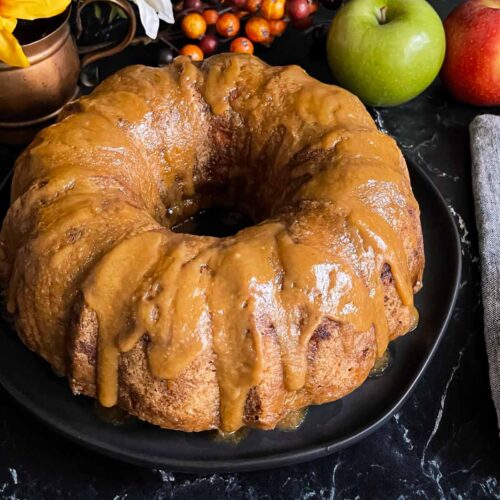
(485, 150)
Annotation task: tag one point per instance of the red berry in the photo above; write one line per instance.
(302, 24)
(239, 4)
(192, 4)
(165, 56)
(298, 9)
(209, 44)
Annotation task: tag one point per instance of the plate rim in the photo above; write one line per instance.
(280, 459)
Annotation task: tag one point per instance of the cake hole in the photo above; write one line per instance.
(218, 222)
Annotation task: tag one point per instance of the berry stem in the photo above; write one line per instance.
(166, 41)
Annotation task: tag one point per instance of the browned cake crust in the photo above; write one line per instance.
(93, 198)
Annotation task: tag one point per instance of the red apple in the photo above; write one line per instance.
(471, 68)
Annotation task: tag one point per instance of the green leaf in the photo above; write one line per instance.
(116, 12)
(97, 11)
(121, 13)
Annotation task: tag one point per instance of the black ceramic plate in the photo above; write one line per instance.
(326, 429)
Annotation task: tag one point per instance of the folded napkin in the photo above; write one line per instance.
(485, 150)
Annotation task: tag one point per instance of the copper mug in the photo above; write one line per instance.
(33, 96)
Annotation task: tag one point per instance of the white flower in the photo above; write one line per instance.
(151, 11)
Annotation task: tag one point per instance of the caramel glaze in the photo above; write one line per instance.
(292, 421)
(94, 198)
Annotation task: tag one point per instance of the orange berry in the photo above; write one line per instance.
(268, 41)
(257, 29)
(241, 45)
(228, 25)
(241, 14)
(192, 51)
(273, 9)
(210, 16)
(194, 25)
(313, 7)
(277, 27)
(253, 5)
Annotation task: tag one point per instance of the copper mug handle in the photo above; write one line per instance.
(94, 53)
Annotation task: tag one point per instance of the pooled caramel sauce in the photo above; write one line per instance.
(114, 415)
(293, 420)
(414, 324)
(328, 226)
(382, 364)
(233, 437)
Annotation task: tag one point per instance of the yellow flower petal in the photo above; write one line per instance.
(32, 9)
(8, 23)
(10, 50)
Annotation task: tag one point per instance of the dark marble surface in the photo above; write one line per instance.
(443, 443)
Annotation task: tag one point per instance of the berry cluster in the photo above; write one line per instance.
(237, 25)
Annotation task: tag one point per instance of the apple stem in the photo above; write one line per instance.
(382, 15)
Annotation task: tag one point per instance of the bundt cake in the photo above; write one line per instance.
(196, 332)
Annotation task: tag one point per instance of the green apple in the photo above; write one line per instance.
(386, 51)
